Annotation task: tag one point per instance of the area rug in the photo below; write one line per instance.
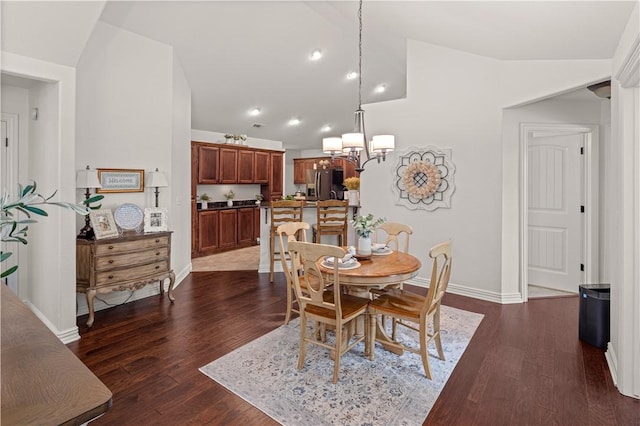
(391, 390)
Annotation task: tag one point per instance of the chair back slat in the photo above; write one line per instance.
(441, 255)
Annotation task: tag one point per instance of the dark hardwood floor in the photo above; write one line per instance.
(524, 366)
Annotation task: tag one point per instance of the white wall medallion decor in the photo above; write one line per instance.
(423, 178)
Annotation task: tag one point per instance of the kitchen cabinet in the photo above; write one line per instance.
(194, 227)
(245, 226)
(228, 229)
(246, 160)
(301, 165)
(261, 167)
(228, 165)
(208, 224)
(208, 164)
(276, 178)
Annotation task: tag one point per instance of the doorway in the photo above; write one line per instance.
(559, 206)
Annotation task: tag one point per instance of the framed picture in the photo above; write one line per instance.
(155, 220)
(120, 180)
(104, 226)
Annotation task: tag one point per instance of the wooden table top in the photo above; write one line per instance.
(380, 270)
(43, 382)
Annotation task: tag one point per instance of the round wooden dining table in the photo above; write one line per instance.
(377, 271)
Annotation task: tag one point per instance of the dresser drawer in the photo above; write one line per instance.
(127, 246)
(133, 259)
(128, 274)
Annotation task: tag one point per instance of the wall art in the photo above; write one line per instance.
(121, 180)
(423, 178)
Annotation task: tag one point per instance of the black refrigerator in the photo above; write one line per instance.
(329, 184)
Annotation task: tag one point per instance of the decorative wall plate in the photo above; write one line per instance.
(128, 216)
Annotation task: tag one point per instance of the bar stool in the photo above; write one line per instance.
(283, 211)
(332, 220)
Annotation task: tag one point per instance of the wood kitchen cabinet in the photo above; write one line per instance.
(208, 164)
(208, 225)
(245, 226)
(276, 179)
(301, 165)
(261, 167)
(246, 161)
(228, 229)
(228, 165)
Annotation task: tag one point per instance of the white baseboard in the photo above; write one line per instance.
(120, 297)
(65, 336)
(612, 362)
(474, 293)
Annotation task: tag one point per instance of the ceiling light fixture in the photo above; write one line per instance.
(316, 54)
(254, 111)
(352, 144)
(352, 75)
(326, 128)
(294, 122)
(381, 88)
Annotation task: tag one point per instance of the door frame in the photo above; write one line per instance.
(10, 184)
(590, 196)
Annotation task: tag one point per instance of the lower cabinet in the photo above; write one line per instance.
(226, 229)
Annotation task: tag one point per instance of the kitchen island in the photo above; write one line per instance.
(309, 215)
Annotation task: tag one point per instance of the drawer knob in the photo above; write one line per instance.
(110, 277)
(158, 253)
(157, 266)
(110, 260)
(157, 241)
(110, 247)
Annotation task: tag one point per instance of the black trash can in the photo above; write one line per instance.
(595, 314)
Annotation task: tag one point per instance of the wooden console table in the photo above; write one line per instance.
(129, 262)
(43, 382)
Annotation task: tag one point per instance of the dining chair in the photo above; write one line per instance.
(328, 308)
(282, 211)
(397, 235)
(414, 311)
(292, 231)
(332, 218)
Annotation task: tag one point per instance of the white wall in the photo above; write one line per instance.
(455, 100)
(130, 116)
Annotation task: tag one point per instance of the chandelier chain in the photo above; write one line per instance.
(360, 56)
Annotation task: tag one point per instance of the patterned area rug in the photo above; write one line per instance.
(391, 390)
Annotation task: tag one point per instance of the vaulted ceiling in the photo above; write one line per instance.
(238, 55)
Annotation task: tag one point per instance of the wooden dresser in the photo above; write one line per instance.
(129, 262)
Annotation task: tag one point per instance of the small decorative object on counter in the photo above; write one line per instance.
(364, 226)
(230, 196)
(353, 185)
(204, 200)
(259, 198)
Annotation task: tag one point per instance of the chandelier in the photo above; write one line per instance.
(353, 144)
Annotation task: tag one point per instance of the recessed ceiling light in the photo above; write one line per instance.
(326, 128)
(254, 111)
(381, 88)
(316, 54)
(352, 75)
(294, 122)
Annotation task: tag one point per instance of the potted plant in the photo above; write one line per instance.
(204, 200)
(259, 198)
(364, 226)
(230, 196)
(353, 185)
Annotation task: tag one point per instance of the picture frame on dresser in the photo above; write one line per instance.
(103, 223)
(155, 219)
(120, 180)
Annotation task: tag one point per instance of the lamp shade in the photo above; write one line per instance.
(87, 178)
(156, 180)
(352, 142)
(331, 145)
(383, 143)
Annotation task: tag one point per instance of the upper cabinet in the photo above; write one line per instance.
(246, 166)
(276, 184)
(228, 165)
(261, 167)
(301, 165)
(208, 164)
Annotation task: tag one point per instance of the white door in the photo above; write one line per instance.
(8, 168)
(554, 198)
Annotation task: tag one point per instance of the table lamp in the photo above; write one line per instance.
(87, 179)
(156, 180)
